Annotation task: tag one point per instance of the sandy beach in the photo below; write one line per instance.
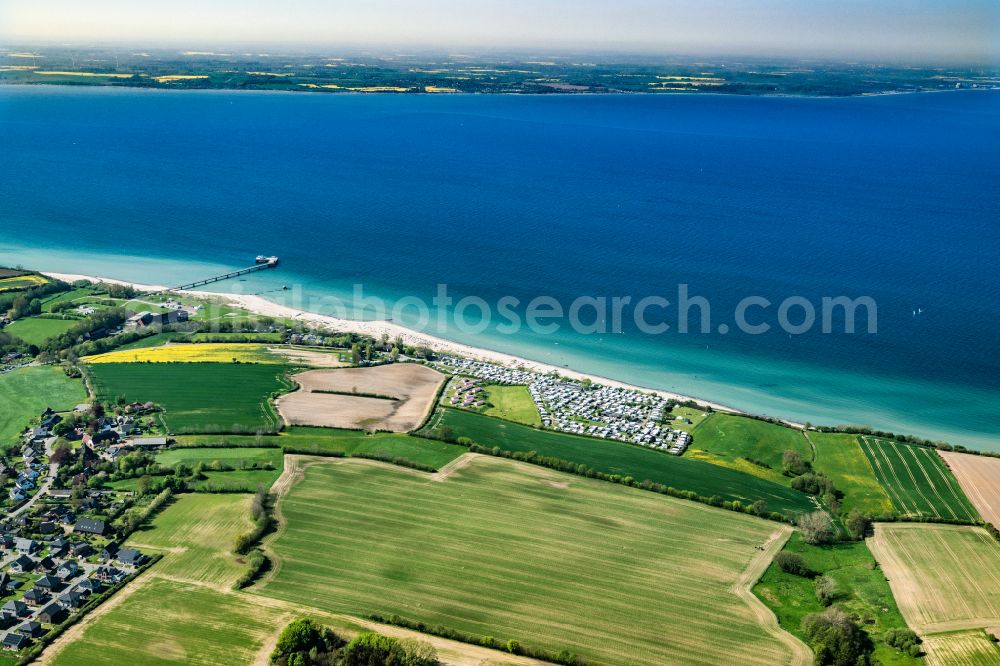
(375, 329)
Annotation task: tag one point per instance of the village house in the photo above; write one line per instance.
(27, 546)
(22, 564)
(130, 557)
(67, 570)
(15, 608)
(49, 583)
(52, 614)
(90, 526)
(30, 629)
(14, 641)
(71, 600)
(36, 597)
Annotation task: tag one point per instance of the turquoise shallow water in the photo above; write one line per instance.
(893, 197)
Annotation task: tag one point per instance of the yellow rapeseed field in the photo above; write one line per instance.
(191, 353)
(108, 75)
(168, 78)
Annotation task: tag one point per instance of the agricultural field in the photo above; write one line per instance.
(613, 457)
(26, 392)
(839, 457)
(196, 533)
(734, 441)
(36, 330)
(393, 397)
(326, 441)
(945, 577)
(198, 397)
(917, 480)
(513, 403)
(979, 477)
(864, 592)
(962, 648)
(162, 621)
(515, 551)
(191, 353)
(11, 280)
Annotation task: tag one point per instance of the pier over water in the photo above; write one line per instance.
(263, 263)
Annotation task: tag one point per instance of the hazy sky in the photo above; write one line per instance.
(910, 29)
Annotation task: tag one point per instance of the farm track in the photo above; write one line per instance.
(801, 654)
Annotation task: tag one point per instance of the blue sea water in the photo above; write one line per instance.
(892, 197)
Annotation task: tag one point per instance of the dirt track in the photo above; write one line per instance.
(801, 654)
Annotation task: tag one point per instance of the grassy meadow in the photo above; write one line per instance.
(26, 392)
(742, 444)
(839, 456)
(515, 551)
(864, 592)
(198, 397)
(917, 480)
(36, 330)
(613, 457)
(197, 533)
(513, 403)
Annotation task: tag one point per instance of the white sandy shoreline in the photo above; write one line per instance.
(376, 329)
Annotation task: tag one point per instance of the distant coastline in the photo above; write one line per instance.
(461, 93)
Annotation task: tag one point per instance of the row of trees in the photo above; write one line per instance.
(305, 643)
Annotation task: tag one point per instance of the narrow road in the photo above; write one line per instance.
(43, 487)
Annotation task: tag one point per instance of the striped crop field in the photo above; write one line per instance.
(518, 552)
(962, 648)
(944, 577)
(917, 480)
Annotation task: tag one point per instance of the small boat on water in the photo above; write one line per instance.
(270, 261)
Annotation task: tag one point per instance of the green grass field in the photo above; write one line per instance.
(513, 403)
(236, 457)
(613, 457)
(839, 456)
(174, 622)
(36, 330)
(865, 592)
(729, 441)
(304, 439)
(197, 532)
(917, 480)
(25, 393)
(515, 551)
(198, 397)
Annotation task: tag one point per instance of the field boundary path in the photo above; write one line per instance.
(743, 588)
(455, 465)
